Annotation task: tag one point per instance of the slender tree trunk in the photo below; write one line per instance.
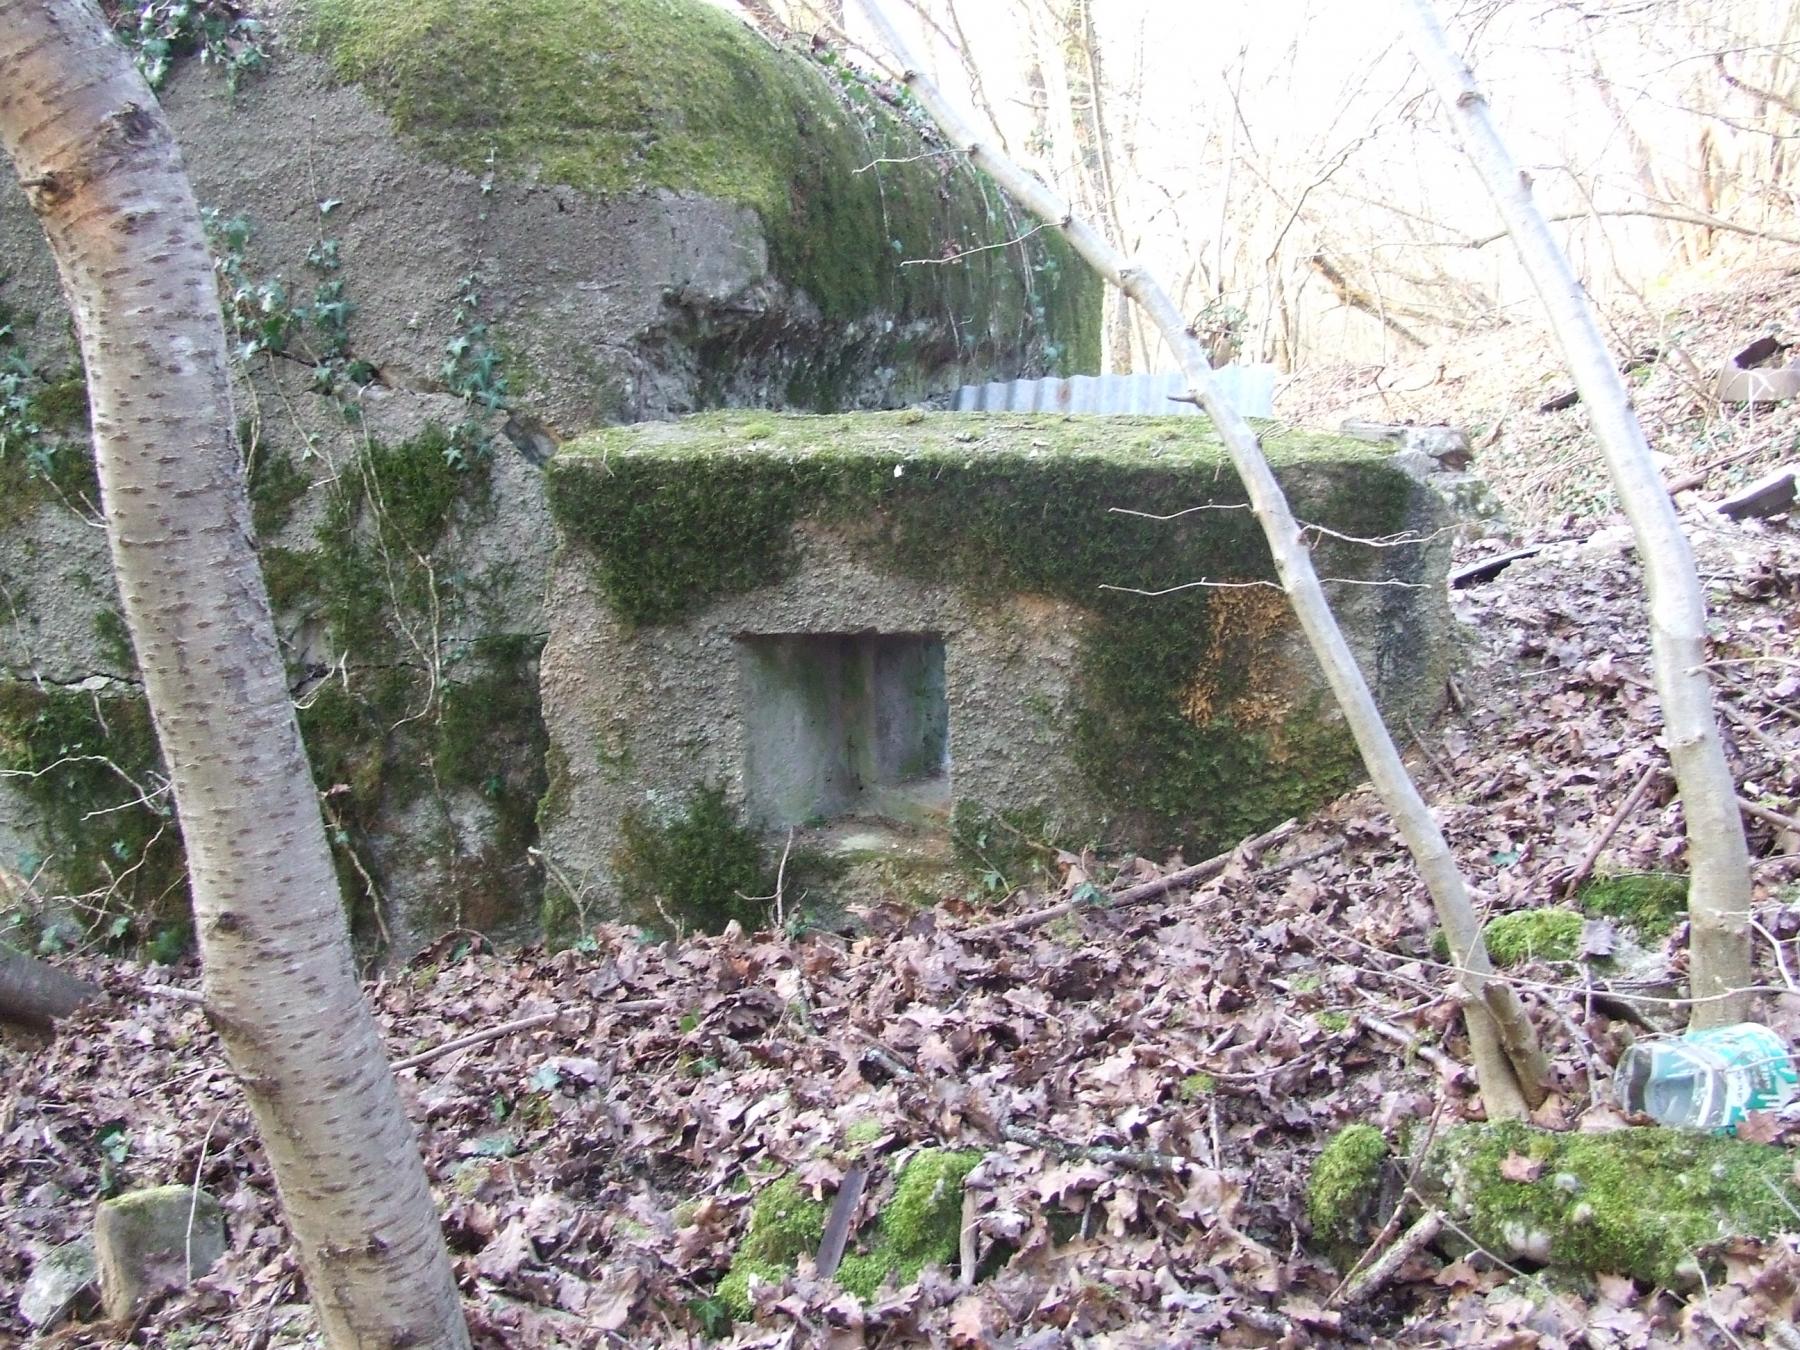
(1718, 861)
(1513, 1069)
(102, 171)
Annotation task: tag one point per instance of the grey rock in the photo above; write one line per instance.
(150, 1242)
(57, 1283)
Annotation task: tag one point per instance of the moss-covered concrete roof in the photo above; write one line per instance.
(613, 96)
(1183, 444)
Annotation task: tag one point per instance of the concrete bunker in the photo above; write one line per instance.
(844, 727)
(886, 642)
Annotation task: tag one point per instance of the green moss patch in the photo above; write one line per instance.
(95, 768)
(1172, 729)
(1344, 1183)
(920, 1226)
(1550, 934)
(1651, 902)
(785, 1224)
(45, 449)
(1648, 1203)
(617, 96)
(697, 863)
(410, 716)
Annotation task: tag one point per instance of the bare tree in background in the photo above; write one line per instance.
(102, 171)
(1718, 859)
(1289, 156)
(1512, 1066)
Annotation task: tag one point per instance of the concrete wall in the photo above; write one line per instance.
(788, 656)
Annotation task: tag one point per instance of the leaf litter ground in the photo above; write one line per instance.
(1148, 1085)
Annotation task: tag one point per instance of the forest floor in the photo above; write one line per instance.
(597, 1169)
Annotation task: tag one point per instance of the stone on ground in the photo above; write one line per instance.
(152, 1241)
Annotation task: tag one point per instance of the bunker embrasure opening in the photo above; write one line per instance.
(845, 726)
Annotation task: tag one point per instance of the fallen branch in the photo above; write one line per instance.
(1399, 1036)
(1486, 569)
(1147, 890)
(172, 991)
(1767, 496)
(1601, 840)
(1411, 1243)
(1775, 818)
(476, 1038)
(1137, 1160)
(883, 1056)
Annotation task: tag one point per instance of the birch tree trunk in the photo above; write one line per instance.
(1511, 1065)
(1718, 861)
(96, 158)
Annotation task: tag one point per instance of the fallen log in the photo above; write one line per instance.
(35, 994)
(1486, 569)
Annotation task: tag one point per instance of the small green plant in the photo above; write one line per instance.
(698, 864)
(263, 317)
(864, 1131)
(472, 367)
(219, 32)
(1197, 1085)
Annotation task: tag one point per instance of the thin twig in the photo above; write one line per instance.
(476, 1038)
(1148, 890)
(970, 252)
(1138, 1160)
(1775, 818)
(1420, 1235)
(1601, 840)
(1431, 1054)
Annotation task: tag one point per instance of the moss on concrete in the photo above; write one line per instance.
(45, 449)
(785, 1224)
(1651, 902)
(276, 485)
(1171, 730)
(694, 863)
(1649, 1203)
(617, 96)
(1344, 1183)
(94, 762)
(387, 730)
(920, 1226)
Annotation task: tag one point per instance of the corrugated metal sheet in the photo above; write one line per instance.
(1251, 390)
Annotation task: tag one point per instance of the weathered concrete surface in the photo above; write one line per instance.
(695, 644)
(487, 291)
(149, 1242)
